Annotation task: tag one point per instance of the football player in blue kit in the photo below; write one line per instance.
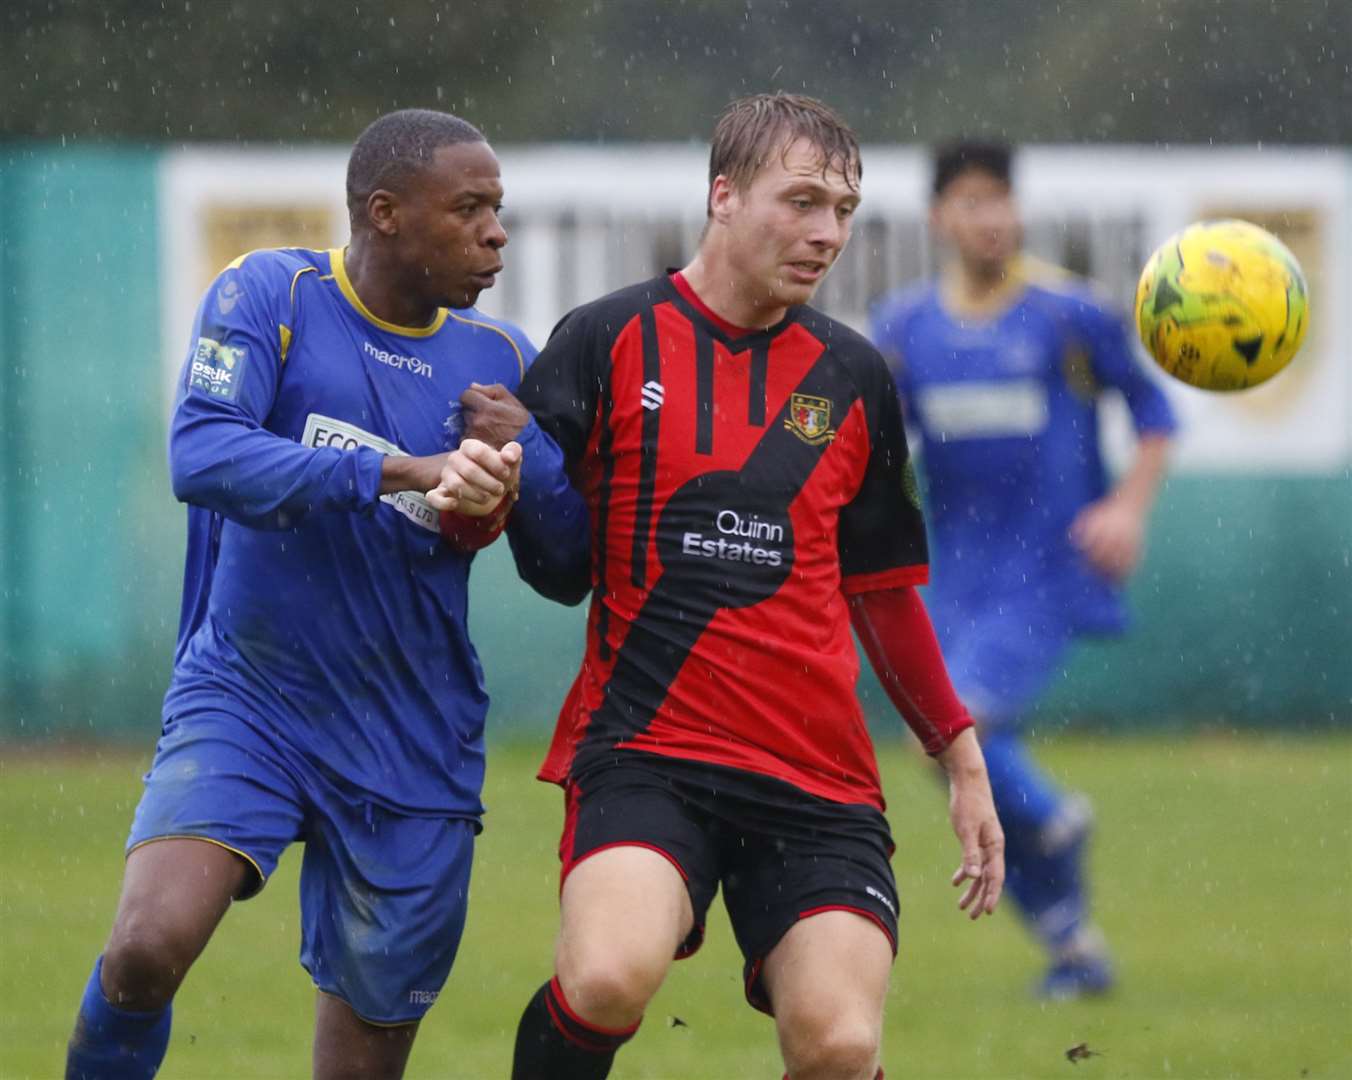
(324, 688)
(1001, 364)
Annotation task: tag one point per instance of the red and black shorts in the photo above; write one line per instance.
(779, 853)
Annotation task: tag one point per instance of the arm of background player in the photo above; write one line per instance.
(1111, 531)
(220, 455)
(1115, 363)
(899, 639)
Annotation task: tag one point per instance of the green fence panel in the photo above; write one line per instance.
(89, 535)
(1243, 611)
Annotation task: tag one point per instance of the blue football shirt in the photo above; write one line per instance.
(1005, 408)
(331, 617)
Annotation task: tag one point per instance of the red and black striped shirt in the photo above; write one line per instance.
(741, 485)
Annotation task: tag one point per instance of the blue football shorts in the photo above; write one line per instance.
(383, 895)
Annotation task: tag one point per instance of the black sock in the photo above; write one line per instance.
(554, 1043)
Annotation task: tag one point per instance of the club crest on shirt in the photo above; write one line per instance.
(810, 419)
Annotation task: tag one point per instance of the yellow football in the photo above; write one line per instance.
(1222, 305)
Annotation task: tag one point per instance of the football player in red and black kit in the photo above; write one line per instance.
(746, 470)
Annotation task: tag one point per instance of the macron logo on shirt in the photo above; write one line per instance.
(399, 363)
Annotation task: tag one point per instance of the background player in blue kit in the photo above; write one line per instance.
(1001, 365)
(324, 687)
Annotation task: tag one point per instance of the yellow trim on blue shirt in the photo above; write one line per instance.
(1021, 272)
(238, 260)
(1049, 276)
(993, 304)
(345, 286)
(296, 277)
(520, 360)
(284, 331)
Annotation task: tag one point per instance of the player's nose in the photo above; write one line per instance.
(828, 231)
(495, 236)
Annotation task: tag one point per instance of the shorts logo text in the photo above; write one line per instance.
(881, 899)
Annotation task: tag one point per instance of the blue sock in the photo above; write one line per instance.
(1024, 797)
(1049, 890)
(113, 1044)
(1048, 887)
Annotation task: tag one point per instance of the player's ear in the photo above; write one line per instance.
(382, 211)
(936, 217)
(721, 196)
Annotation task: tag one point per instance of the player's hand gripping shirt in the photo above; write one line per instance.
(740, 485)
(327, 616)
(1006, 407)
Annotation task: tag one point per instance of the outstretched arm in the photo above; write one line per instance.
(1111, 531)
(899, 639)
(223, 458)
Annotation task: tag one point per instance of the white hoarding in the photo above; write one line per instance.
(586, 220)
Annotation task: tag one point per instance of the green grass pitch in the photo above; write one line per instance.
(1223, 868)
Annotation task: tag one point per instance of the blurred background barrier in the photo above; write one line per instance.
(1244, 605)
(90, 538)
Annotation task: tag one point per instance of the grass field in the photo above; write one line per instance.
(1224, 878)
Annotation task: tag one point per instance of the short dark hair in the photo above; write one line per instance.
(752, 128)
(952, 159)
(395, 147)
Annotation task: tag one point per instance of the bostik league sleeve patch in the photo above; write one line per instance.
(216, 368)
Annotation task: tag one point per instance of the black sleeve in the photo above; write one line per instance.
(563, 387)
(882, 530)
(549, 531)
